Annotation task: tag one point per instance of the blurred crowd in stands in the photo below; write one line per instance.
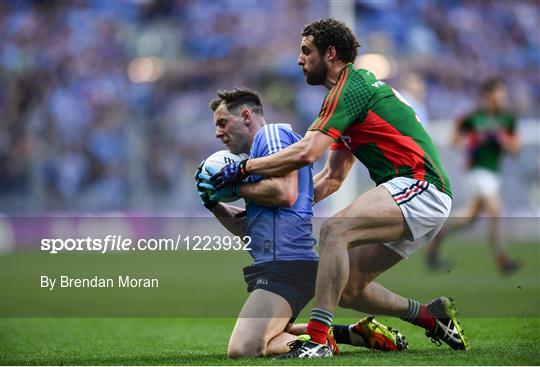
(78, 131)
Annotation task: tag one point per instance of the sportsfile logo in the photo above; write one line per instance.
(112, 243)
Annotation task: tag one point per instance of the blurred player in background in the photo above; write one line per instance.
(278, 219)
(363, 118)
(487, 133)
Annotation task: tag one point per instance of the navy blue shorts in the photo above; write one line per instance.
(292, 280)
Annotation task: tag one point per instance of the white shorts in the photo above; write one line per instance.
(425, 209)
(483, 182)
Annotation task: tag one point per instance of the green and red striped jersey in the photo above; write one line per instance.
(375, 122)
(483, 130)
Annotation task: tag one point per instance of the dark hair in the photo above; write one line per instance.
(237, 98)
(491, 84)
(330, 32)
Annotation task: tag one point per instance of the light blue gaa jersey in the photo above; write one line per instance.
(280, 233)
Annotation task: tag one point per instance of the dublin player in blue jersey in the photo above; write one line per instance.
(277, 217)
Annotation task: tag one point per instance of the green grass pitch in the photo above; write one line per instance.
(509, 335)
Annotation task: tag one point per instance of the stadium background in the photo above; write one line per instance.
(104, 103)
(103, 111)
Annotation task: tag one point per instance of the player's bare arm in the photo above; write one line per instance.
(336, 170)
(273, 191)
(295, 156)
(510, 142)
(231, 217)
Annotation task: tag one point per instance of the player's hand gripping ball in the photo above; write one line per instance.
(213, 165)
(231, 174)
(203, 193)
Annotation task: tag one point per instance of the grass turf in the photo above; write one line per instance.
(204, 341)
(509, 336)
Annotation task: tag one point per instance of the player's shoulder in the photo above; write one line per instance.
(275, 136)
(359, 72)
(287, 130)
(363, 81)
(363, 75)
(273, 131)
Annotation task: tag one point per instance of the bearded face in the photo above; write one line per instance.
(312, 62)
(318, 73)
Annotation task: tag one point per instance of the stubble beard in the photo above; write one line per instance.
(318, 75)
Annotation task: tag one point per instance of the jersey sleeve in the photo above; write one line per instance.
(345, 103)
(270, 139)
(337, 146)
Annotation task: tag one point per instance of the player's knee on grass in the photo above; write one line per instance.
(246, 349)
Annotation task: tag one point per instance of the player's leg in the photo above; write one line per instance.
(365, 295)
(358, 224)
(366, 263)
(425, 214)
(279, 291)
(297, 329)
(492, 203)
(361, 293)
(372, 218)
(426, 209)
(260, 327)
(462, 219)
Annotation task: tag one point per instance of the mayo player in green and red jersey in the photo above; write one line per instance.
(363, 118)
(488, 133)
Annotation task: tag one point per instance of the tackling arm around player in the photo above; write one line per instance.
(382, 226)
(278, 219)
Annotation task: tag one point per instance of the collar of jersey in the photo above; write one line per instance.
(344, 67)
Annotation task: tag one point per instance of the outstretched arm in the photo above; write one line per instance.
(295, 156)
(337, 168)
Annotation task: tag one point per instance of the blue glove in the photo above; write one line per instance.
(205, 185)
(231, 174)
(203, 194)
